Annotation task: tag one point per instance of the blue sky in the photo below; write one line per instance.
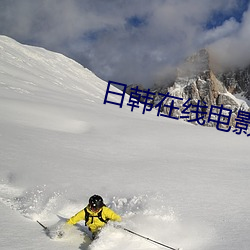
(218, 17)
(132, 41)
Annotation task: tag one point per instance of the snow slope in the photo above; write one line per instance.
(185, 186)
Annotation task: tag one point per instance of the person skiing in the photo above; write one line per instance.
(95, 214)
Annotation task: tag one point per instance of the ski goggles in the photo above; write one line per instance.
(94, 208)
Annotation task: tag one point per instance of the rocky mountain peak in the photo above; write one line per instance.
(197, 81)
(197, 64)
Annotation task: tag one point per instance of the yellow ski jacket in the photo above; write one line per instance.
(94, 223)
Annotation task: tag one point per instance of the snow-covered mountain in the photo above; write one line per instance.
(182, 185)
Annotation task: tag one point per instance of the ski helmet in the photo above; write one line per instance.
(95, 202)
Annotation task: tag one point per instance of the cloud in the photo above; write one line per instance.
(127, 41)
(228, 28)
(233, 49)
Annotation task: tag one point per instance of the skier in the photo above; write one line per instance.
(95, 214)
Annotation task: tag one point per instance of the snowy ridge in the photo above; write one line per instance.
(37, 72)
(185, 186)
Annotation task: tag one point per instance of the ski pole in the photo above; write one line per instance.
(146, 238)
(45, 228)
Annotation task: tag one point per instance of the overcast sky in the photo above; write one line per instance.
(131, 41)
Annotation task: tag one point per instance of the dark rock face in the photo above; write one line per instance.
(237, 81)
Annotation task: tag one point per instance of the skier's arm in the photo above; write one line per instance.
(77, 217)
(110, 214)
